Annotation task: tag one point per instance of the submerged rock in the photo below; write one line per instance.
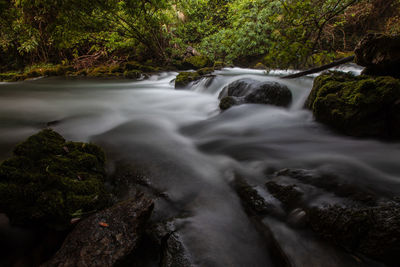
(49, 181)
(380, 54)
(357, 105)
(251, 199)
(107, 237)
(251, 91)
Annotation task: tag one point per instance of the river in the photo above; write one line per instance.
(194, 149)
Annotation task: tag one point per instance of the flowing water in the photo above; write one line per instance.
(194, 149)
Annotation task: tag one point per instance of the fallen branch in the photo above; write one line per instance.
(321, 68)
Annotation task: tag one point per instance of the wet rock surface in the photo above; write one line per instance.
(251, 91)
(380, 54)
(372, 231)
(107, 237)
(360, 220)
(362, 106)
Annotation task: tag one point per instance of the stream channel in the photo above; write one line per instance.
(193, 152)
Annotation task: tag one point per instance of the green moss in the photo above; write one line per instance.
(132, 74)
(184, 78)
(101, 71)
(259, 66)
(360, 106)
(48, 179)
(197, 62)
(205, 71)
(227, 102)
(133, 65)
(219, 65)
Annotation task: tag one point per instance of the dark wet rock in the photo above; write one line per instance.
(185, 78)
(270, 93)
(363, 106)
(331, 183)
(238, 88)
(297, 218)
(356, 219)
(251, 198)
(48, 181)
(380, 54)
(106, 237)
(252, 91)
(173, 252)
(372, 231)
(128, 178)
(289, 195)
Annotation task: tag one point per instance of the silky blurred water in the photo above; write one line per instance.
(194, 149)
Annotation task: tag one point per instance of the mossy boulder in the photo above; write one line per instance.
(197, 62)
(132, 74)
(380, 54)
(184, 78)
(363, 106)
(48, 181)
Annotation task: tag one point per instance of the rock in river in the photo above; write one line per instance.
(107, 237)
(251, 91)
(362, 106)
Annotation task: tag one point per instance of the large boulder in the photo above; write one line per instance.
(49, 181)
(380, 54)
(107, 237)
(363, 106)
(251, 91)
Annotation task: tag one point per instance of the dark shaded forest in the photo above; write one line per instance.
(277, 33)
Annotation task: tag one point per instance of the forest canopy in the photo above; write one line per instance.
(278, 33)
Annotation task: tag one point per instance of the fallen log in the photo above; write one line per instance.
(321, 68)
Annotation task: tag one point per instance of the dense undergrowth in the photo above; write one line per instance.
(280, 34)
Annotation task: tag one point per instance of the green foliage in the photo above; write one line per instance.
(285, 34)
(197, 62)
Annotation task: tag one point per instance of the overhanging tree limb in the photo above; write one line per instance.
(321, 68)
